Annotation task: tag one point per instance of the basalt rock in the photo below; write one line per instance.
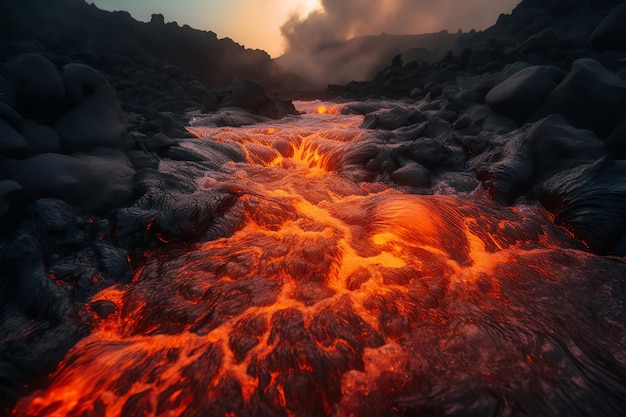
(96, 181)
(523, 93)
(590, 200)
(522, 159)
(611, 33)
(590, 97)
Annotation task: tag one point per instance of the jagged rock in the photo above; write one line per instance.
(97, 181)
(590, 200)
(10, 139)
(524, 92)
(611, 33)
(590, 97)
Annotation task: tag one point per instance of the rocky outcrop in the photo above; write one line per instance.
(155, 64)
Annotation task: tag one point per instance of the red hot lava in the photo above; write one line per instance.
(350, 299)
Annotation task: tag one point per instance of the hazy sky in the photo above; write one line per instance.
(257, 24)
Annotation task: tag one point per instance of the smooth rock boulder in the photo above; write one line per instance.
(554, 145)
(251, 96)
(524, 92)
(390, 119)
(82, 81)
(8, 189)
(10, 139)
(616, 143)
(97, 181)
(40, 138)
(39, 86)
(611, 32)
(96, 121)
(590, 97)
(412, 175)
(590, 200)
(7, 91)
(11, 116)
(95, 117)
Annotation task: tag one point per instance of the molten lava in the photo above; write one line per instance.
(349, 299)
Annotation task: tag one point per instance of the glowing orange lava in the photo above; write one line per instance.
(325, 109)
(334, 298)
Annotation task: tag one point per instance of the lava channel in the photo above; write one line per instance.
(345, 298)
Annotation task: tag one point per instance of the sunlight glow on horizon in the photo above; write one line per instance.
(254, 24)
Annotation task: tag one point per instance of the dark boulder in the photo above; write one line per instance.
(590, 97)
(11, 116)
(611, 33)
(97, 181)
(412, 175)
(96, 121)
(524, 92)
(390, 119)
(40, 138)
(8, 190)
(38, 84)
(616, 143)
(10, 139)
(82, 81)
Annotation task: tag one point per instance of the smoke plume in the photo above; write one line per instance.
(315, 43)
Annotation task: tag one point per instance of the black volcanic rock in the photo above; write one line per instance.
(96, 121)
(10, 139)
(390, 119)
(590, 97)
(165, 66)
(611, 33)
(39, 86)
(528, 156)
(96, 181)
(524, 92)
(8, 190)
(590, 200)
(41, 138)
(616, 143)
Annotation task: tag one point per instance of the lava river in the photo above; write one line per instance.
(341, 297)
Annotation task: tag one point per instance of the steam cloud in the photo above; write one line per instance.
(312, 42)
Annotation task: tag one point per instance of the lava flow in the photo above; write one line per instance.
(336, 297)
